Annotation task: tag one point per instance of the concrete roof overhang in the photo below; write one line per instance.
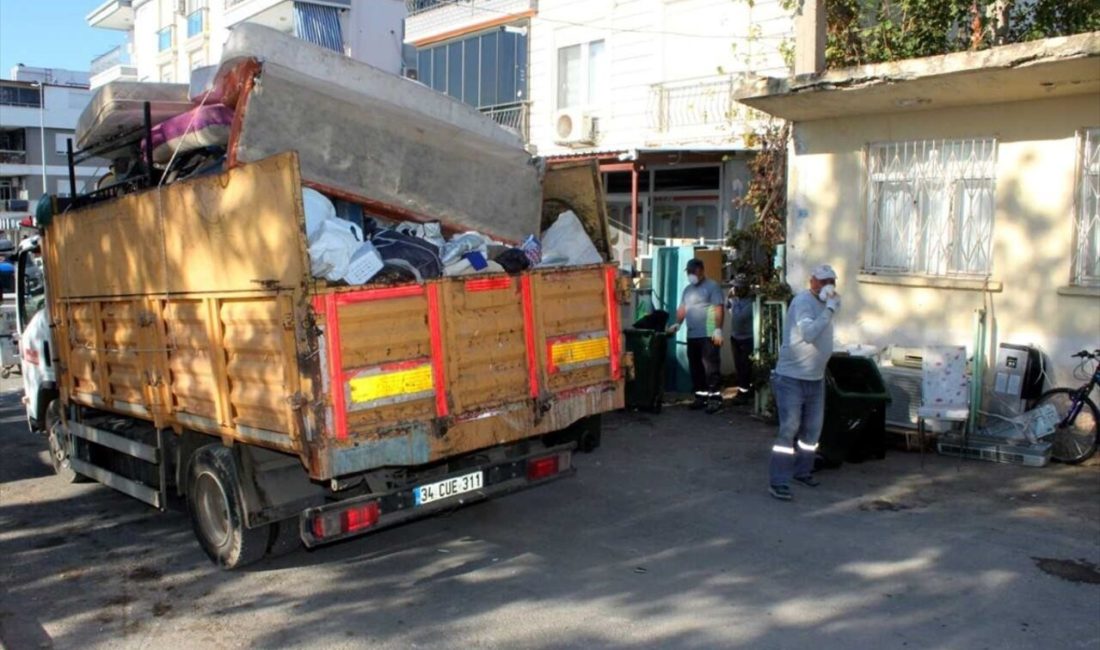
(1053, 67)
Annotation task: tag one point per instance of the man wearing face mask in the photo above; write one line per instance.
(701, 307)
(798, 382)
(741, 306)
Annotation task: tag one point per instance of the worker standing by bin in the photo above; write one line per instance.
(701, 307)
(799, 382)
(741, 306)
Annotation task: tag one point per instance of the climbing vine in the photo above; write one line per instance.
(874, 31)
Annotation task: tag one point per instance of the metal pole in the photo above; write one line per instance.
(42, 131)
(634, 216)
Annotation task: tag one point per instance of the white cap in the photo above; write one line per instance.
(823, 272)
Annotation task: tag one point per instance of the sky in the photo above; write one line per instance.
(51, 34)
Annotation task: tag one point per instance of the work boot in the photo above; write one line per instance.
(713, 407)
(781, 492)
(808, 480)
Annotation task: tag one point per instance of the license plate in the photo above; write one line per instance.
(447, 488)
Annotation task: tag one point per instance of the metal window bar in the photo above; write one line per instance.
(1086, 249)
(930, 207)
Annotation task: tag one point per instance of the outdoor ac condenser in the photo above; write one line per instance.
(904, 386)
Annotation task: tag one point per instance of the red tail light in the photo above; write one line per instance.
(540, 468)
(360, 517)
(350, 520)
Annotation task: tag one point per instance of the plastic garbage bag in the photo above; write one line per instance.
(332, 241)
(431, 231)
(470, 242)
(567, 244)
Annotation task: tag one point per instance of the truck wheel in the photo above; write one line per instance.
(59, 451)
(217, 516)
(589, 433)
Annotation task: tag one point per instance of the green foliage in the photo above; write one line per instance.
(874, 31)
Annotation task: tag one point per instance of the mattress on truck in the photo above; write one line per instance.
(119, 107)
(370, 134)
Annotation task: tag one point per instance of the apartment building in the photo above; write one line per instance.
(39, 108)
(166, 39)
(645, 87)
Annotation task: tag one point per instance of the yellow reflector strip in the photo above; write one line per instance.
(391, 384)
(580, 351)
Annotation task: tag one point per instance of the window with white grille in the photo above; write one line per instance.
(930, 207)
(1086, 253)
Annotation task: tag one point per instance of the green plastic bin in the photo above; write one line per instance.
(650, 348)
(855, 411)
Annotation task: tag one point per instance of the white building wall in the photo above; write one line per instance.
(1032, 241)
(651, 42)
(372, 32)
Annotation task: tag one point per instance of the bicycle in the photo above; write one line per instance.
(1075, 436)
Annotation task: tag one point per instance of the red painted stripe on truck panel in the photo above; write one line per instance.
(387, 293)
(529, 335)
(488, 284)
(336, 367)
(613, 328)
(436, 329)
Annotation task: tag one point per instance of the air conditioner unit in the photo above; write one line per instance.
(904, 385)
(904, 357)
(574, 127)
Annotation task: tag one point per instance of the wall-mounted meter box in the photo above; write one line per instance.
(1018, 373)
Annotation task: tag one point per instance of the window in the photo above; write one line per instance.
(930, 207)
(196, 23)
(1086, 252)
(487, 70)
(196, 59)
(165, 39)
(20, 96)
(61, 142)
(697, 222)
(63, 187)
(582, 74)
(166, 73)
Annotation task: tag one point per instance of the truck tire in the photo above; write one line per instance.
(59, 450)
(589, 433)
(217, 516)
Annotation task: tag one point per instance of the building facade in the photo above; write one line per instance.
(39, 108)
(943, 186)
(645, 87)
(166, 39)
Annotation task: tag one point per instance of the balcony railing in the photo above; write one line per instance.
(13, 157)
(416, 6)
(511, 116)
(108, 60)
(703, 102)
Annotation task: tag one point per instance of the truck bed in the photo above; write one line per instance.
(191, 306)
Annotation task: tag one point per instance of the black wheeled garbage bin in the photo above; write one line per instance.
(855, 412)
(647, 389)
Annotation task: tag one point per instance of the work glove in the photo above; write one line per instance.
(716, 338)
(833, 303)
(672, 329)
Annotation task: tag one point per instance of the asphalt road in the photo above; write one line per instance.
(666, 538)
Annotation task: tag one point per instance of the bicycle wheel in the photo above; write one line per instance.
(1076, 442)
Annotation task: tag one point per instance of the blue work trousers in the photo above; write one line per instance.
(801, 406)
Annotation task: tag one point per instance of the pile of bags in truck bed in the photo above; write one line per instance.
(347, 245)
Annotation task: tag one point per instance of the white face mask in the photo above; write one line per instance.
(693, 279)
(826, 291)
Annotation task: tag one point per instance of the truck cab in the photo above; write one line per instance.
(39, 375)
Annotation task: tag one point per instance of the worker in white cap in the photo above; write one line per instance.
(798, 382)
